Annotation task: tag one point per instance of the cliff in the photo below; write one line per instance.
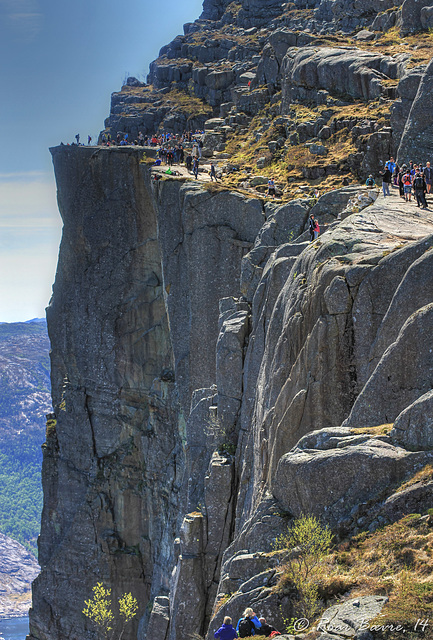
(215, 375)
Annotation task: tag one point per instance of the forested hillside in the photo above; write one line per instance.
(24, 401)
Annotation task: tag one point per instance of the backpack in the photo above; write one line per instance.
(246, 627)
(418, 183)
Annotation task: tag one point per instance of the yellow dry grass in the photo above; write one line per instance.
(396, 561)
(379, 430)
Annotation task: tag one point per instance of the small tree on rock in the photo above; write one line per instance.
(309, 543)
(99, 610)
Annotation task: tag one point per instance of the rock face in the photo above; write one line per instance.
(212, 368)
(417, 138)
(196, 407)
(18, 569)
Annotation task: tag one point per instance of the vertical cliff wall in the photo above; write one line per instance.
(122, 462)
(112, 465)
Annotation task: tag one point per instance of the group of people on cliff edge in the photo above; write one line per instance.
(409, 178)
(248, 625)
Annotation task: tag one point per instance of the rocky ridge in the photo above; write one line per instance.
(214, 373)
(268, 81)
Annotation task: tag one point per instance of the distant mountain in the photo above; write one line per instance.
(18, 568)
(24, 401)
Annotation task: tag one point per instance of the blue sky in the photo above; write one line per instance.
(61, 60)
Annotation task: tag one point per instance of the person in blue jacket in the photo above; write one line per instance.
(226, 632)
(250, 620)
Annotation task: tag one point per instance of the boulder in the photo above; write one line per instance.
(427, 17)
(347, 619)
(328, 482)
(413, 428)
(365, 35)
(219, 80)
(338, 71)
(411, 15)
(318, 149)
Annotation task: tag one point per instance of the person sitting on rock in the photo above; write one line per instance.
(267, 629)
(370, 181)
(248, 624)
(226, 631)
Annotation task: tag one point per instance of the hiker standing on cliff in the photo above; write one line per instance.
(195, 168)
(386, 180)
(212, 172)
(77, 138)
(227, 631)
(271, 187)
(428, 175)
(420, 188)
(312, 227)
(401, 173)
(407, 186)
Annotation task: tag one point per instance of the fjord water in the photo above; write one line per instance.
(14, 628)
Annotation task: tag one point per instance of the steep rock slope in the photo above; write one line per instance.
(211, 369)
(161, 372)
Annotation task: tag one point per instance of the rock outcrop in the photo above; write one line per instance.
(214, 373)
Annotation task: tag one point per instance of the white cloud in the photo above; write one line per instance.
(22, 17)
(30, 229)
(28, 200)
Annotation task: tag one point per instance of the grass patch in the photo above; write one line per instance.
(380, 430)
(396, 561)
(425, 475)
